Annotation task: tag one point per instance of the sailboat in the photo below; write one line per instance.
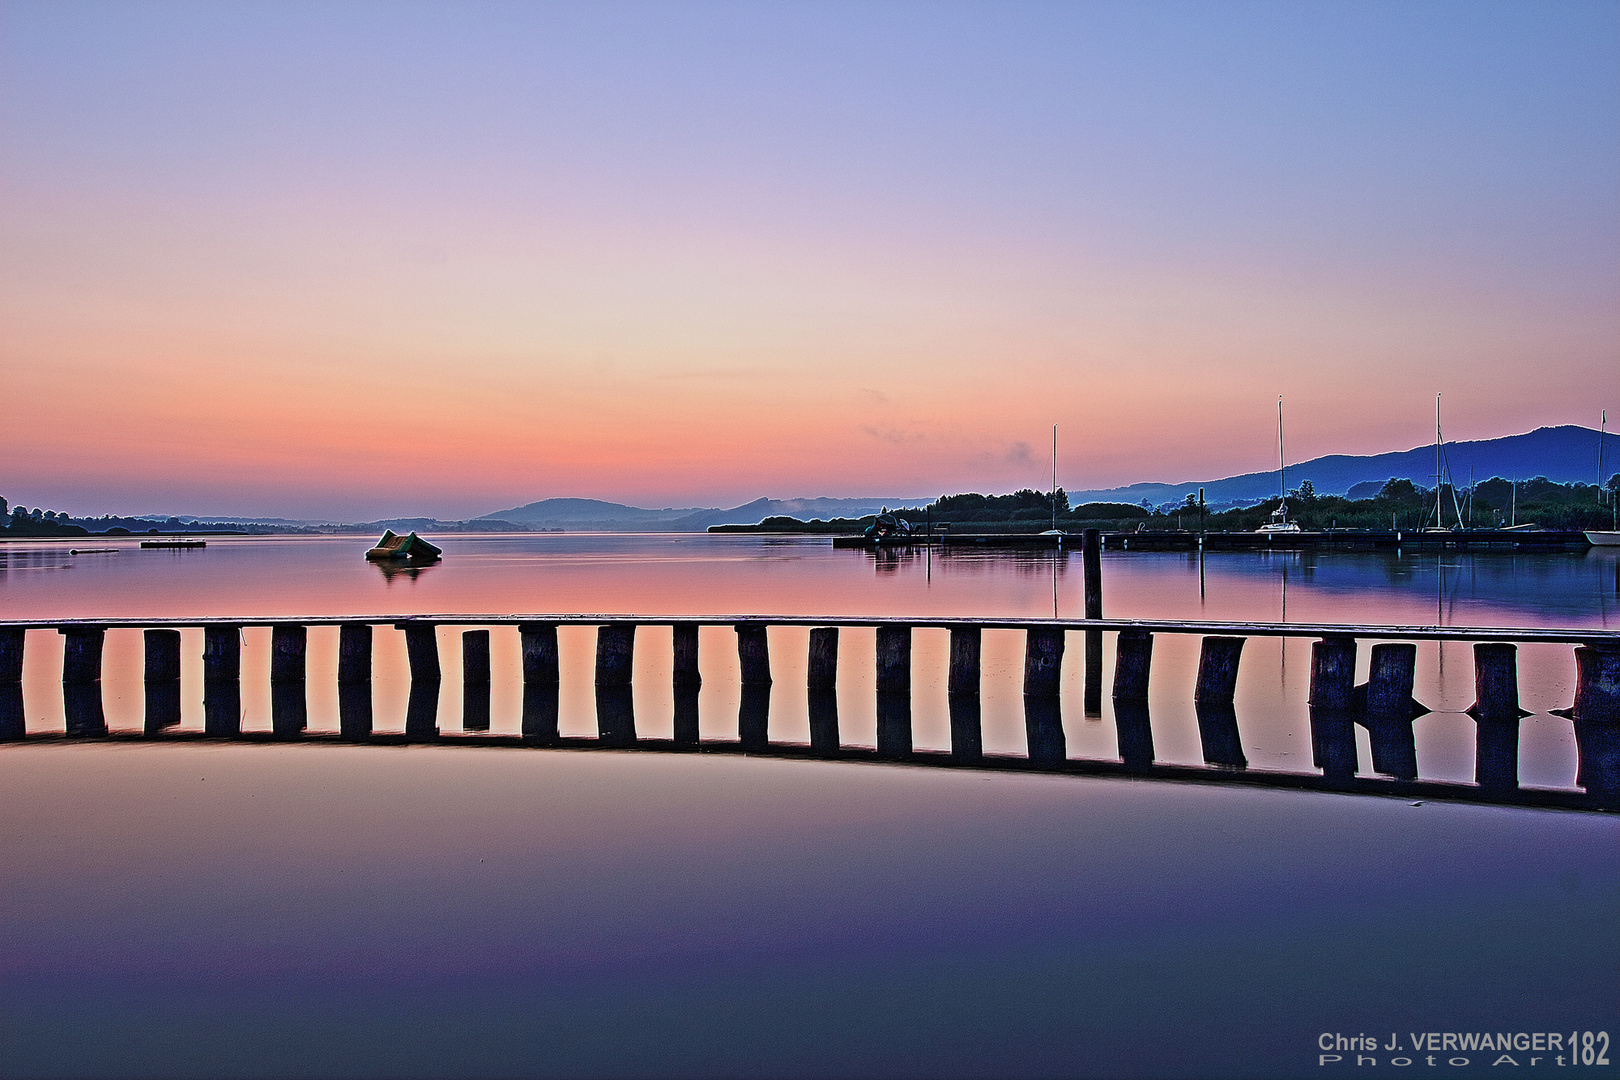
(1595, 537)
(1279, 522)
(1442, 478)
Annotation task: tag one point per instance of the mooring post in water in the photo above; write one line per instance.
(422, 648)
(823, 668)
(354, 654)
(686, 673)
(1597, 685)
(894, 663)
(11, 654)
(1218, 669)
(615, 654)
(753, 654)
(1496, 682)
(1043, 662)
(539, 644)
(964, 673)
(1133, 656)
(162, 655)
(1091, 558)
(287, 647)
(222, 653)
(1333, 673)
(1391, 675)
(81, 654)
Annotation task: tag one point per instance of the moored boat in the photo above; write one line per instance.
(410, 548)
(1602, 539)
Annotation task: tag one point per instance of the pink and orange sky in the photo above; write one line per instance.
(365, 260)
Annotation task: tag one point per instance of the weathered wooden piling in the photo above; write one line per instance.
(539, 645)
(422, 649)
(1133, 656)
(1091, 559)
(1218, 669)
(754, 716)
(354, 708)
(354, 654)
(824, 738)
(894, 661)
(81, 655)
(1134, 733)
(288, 644)
(1597, 685)
(1390, 678)
(12, 639)
(162, 656)
(1043, 662)
(475, 688)
(753, 654)
(1496, 682)
(222, 653)
(893, 724)
(823, 665)
(615, 653)
(686, 673)
(1043, 729)
(1333, 673)
(964, 671)
(1218, 732)
(222, 707)
(615, 715)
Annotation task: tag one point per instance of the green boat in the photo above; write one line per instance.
(395, 548)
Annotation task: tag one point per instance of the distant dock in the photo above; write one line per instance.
(1180, 540)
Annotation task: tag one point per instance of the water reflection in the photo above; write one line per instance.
(422, 710)
(893, 723)
(355, 720)
(1134, 734)
(13, 721)
(162, 705)
(1043, 728)
(540, 709)
(1218, 734)
(289, 709)
(615, 716)
(81, 702)
(392, 572)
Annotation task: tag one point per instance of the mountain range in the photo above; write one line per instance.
(593, 514)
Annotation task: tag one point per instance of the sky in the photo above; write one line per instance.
(359, 260)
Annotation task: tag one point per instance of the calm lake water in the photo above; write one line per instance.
(319, 910)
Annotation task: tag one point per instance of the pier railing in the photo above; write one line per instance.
(1384, 705)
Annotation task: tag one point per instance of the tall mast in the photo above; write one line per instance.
(1437, 522)
(1282, 467)
(1054, 476)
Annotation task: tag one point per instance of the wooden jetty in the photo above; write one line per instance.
(1384, 705)
(1186, 540)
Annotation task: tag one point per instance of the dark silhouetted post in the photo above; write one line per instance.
(11, 654)
(222, 707)
(539, 642)
(1333, 673)
(893, 724)
(754, 716)
(13, 720)
(289, 708)
(686, 673)
(753, 654)
(354, 709)
(1133, 657)
(686, 728)
(1597, 685)
(1218, 669)
(1091, 559)
(422, 708)
(1134, 732)
(615, 654)
(162, 655)
(894, 662)
(615, 715)
(964, 673)
(824, 739)
(222, 653)
(81, 655)
(823, 669)
(475, 680)
(1043, 729)
(422, 648)
(1218, 731)
(1496, 682)
(1043, 662)
(287, 646)
(81, 703)
(1390, 679)
(967, 727)
(540, 710)
(354, 655)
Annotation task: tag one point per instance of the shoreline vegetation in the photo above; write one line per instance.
(1398, 504)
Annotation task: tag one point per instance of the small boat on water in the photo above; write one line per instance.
(1279, 522)
(411, 548)
(176, 542)
(1602, 539)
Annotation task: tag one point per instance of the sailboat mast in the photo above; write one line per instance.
(1437, 522)
(1054, 476)
(1282, 466)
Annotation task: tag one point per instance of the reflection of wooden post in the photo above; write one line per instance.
(539, 713)
(615, 651)
(967, 730)
(964, 675)
(686, 673)
(539, 641)
(13, 721)
(1043, 662)
(11, 654)
(615, 714)
(81, 654)
(754, 717)
(894, 660)
(1133, 651)
(823, 673)
(222, 707)
(893, 723)
(753, 654)
(162, 655)
(354, 654)
(354, 709)
(1134, 733)
(1218, 669)
(475, 680)
(1333, 742)
(422, 647)
(1496, 681)
(1043, 729)
(1333, 672)
(686, 727)
(287, 646)
(222, 653)
(1218, 731)
(824, 738)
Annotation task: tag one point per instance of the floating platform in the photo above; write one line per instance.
(174, 543)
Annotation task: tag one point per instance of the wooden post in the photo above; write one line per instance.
(422, 647)
(354, 655)
(967, 728)
(893, 724)
(1597, 685)
(964, 674)
(475, 680)
(894, 664)
(222, 653)
(823, 673)
(1218, 669)
(615, 653)
(1333, 673)
(81, 655)
(539, 641)
(422, 708)
(753, 654)
(1091, 559)
(11, 654)
(1043, 662)
(1132, 659)
(1496, 682)
(287, 646)
(824, 738)
(1391, 678)
(162, 656)
(686, 672)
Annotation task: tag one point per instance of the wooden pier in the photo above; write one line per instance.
(1180, 540)
(1384, 705)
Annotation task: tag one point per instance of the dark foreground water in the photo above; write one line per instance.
(319, 910)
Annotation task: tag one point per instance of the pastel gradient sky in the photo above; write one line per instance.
(367, 259)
